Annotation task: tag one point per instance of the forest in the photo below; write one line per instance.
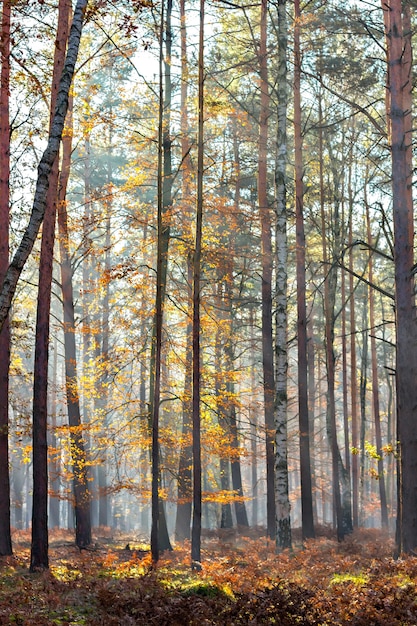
(207, 311)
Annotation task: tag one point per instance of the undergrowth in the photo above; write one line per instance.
(356, 582)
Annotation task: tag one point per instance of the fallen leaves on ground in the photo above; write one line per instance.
(242, 581)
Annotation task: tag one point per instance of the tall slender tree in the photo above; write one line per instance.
(77, 441)
(305, 465)
(267, 263)
(184, 508)
(400, 82)
(45, 166)
(197, 490)
(375, 381)
(283, 531)
(39, 549)
(5, 534)
(159, 534)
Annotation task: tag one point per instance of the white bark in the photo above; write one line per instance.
(283, 536)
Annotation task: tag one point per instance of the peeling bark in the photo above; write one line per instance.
(283, 528)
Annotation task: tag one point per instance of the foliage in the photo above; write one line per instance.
(242, 582)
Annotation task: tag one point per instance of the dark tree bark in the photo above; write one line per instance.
(229, 347)
(353, 378)
(155, 366)
(375, 381)
(159, 536)
(39, 548)
(303, 418)
(197, 491)
(363, 384)
(405, 320)
(45, 166)
(183, 520)
(184, 509)
(54, 460)
(226, 519)
(253, 419)
(266, 243)
(78, 455)
(5, 533)
(329, 298)
(103, 338)
(312, 407)
(345, 377)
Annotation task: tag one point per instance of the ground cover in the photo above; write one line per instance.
(242, 581)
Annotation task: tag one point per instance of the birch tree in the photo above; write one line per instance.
(283, 535)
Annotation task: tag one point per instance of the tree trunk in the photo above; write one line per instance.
(87, 291)
(184, 509)
(329, 304)
(312, 408)
(253, 419)
(103, 336)
(305, 464)
(39, 549)
(236, 472)
(45, 166)
(399, 84)
(345, 377)
(267, 261)
(159, 537)
(353, 381)
(283, 529)
(78, 455)
(54, 462)
(375, 385)
(197, 493)
(362, 395)
(5, 533)
(226, 519)
(183, 521)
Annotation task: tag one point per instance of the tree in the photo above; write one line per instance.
(399, 81)
(45, 165)
(375, 387)
(183, 519)
(267, 264)
(39, 549)
(283, 531)
(303, 417)
(5, 534)
(197, 491)
(77, 443)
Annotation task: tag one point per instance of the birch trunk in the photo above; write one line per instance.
(283, 528)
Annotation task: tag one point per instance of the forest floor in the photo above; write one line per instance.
(242, 581)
